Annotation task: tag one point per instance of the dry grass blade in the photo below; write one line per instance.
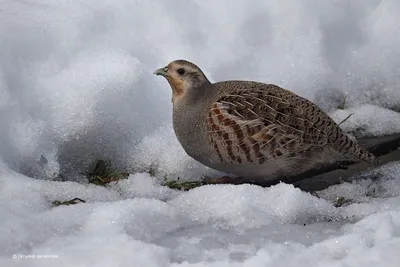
(73, 201)
(340, 201)
(102, 173)
(181, 185)
(351, 114)
(341, 106)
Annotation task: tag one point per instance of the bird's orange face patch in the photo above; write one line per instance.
(178, 87)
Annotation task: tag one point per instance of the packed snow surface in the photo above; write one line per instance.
(76, 85)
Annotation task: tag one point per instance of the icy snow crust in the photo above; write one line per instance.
(76, 85)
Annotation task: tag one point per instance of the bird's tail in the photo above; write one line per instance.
(352, 148)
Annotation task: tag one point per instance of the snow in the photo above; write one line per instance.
(76, 85)
(138, 222)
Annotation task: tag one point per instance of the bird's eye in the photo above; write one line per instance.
(181, 71)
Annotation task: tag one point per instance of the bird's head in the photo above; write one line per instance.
(184, 77)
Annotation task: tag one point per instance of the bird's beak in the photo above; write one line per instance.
(162, 72)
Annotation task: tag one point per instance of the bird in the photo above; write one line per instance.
(253, 130)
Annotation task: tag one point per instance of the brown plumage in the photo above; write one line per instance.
(251, 129)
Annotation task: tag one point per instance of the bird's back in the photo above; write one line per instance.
(282, 122)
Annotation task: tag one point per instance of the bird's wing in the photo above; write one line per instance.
(254, 123)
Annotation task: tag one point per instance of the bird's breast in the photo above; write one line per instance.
(191, 131)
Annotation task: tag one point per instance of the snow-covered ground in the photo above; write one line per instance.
(76, 85)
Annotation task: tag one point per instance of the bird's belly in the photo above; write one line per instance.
(275, 168)
(266, 171)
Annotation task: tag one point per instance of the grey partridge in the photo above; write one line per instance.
(253, 130)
